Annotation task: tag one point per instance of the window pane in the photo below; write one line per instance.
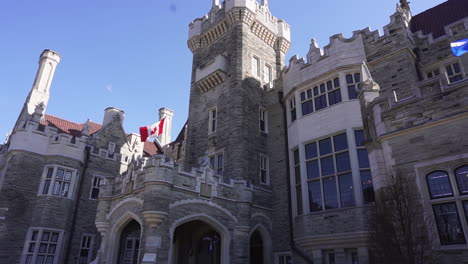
(40, 259)
(340, 142)
(363, 158)
(346, 190)
(336, 82)
(322, 88)
(52, 248)
(31, 247)
(325, 146)
(297, 174)
(310, 150)
(313, 169)
(296, 156)
(307, 107)
(309, 93)
(34, 236)
(46, 187)
(329, 85)
(367, 187)
(60, 174)
(352, 92)
(349, 79)
(462, 179)
(50, 171)
(54, 237)
(50, 260)
(342, 162)
(439, 184)
(42, 248)
(329, 193)
(449, 70)
(327, 165)
(299, 199)
(359, 137)
(293, 114)
(320, 102)
(334, 97)
(456, 68)
(316, 92)
(303, 96)
(56, 189)
(45, 236)
(68, 175)
(448, 224)
(315, 196)
(357, 77)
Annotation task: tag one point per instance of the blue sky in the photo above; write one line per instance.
(133, 55)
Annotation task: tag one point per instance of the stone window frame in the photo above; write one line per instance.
(264, 169)
(282, 257)
(351, 84)
(263, 119)
(292, 109)
(255, 66)
(111, 150)
(49, 178)
(296, 161)
(96, 183)
(267, 75)
(32, 247)
(86, 243)
(336, 174)
(212, 120)
(310, 97)
(448, 165)
(214, 160)
(441, 68)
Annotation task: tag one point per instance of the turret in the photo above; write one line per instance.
(36, 102)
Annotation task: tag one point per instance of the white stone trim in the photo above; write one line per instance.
(118, 205)
(203, 202)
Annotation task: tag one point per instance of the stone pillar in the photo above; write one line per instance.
(363, 255)
(153, 220)
(240, 245)
(103, 229)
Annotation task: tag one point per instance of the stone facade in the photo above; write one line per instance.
(276, 164)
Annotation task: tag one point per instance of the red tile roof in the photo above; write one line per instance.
(74, 129)
(433, 20)
(68, 127)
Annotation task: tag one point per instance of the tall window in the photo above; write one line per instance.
(446, 211)
(264, 170)
(267, 73)
(42, 246)
(58, 181)
(432, 73)
(86, 249)
(454, 72)
(110, 150)
(329, 169)
(212, 120)
(321, 96)
(263, 120)
(352, 80)
(256, 66)
(292, 109)
(364, 167)
(217, 163)
(95, 184)
(297, 177)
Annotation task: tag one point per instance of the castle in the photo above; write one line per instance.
(277, 163)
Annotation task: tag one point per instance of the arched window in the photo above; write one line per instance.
(461, 175)
(439, 184)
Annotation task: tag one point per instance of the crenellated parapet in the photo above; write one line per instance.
(206, 30)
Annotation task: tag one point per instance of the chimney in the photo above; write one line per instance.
(110, 113)
(165, 137)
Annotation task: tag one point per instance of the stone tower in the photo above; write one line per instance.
(238, 50)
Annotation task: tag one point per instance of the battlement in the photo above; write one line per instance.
(432, 100)
(205, 30)
(160, 169)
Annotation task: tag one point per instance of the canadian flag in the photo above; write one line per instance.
(155, 129)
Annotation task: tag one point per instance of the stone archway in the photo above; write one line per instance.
(129, 243)
(196, 242)
(256, 248)
(194, 235)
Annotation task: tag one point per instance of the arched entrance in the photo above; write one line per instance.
(256, 248)
(196, 242)
(129, 243)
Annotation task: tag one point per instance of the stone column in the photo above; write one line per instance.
(317, 256)
(153, 220)
(240, 249)
(340, 256)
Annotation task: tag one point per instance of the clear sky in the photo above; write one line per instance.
(133, 55)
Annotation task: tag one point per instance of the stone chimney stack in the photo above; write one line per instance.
(109, 115)
(165, 137)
